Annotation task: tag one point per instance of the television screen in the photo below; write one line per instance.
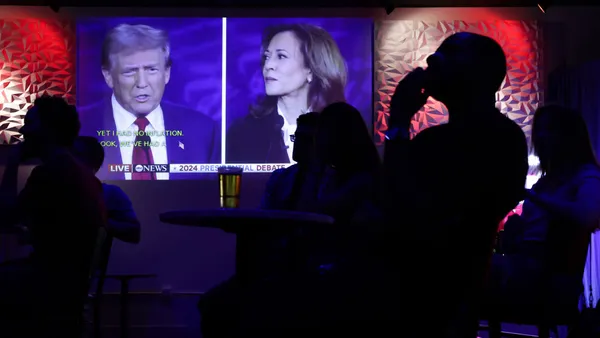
(176, 98)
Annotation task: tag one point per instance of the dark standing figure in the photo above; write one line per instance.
(61, 205)
(323, 297)
(122, 220)
(450, 186)
(545, 249)
(220, 307)
(349, 191)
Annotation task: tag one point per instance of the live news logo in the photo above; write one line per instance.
(138, 168)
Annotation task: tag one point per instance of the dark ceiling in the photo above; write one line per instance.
(289, 3)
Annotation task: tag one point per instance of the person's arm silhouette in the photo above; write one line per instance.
(584, 209)
(409, 97)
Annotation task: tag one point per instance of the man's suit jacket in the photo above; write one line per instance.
(201, 136)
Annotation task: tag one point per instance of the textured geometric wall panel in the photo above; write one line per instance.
(401, 46)
(37, 57)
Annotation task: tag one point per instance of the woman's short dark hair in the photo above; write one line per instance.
(56, 114)
(321, 55)
(571, 146)
(353, 143)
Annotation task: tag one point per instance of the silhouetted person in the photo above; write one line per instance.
(548, 244)
(350, 183)
(349, 191)
(285, 185)
(322, 298)
(220, 307)
(61, 205)
(336, 176)
(122, 220)
(450, 186)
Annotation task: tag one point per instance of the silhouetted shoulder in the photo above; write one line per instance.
(112, 188)
(510, 126)
(276, 176)
(278, 172)
(431, 134)
(505, 138)
(275, 189)
(283, 173)
(115, 195)
(40, 175)
(66, 180)
(511, 134)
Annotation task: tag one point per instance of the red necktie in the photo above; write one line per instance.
(142, 153)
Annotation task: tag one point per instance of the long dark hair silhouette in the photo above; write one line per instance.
(561, 140)
(344, 141)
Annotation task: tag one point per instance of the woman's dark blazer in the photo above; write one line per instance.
(257, 138)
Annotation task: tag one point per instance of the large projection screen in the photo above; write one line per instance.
(180, 97)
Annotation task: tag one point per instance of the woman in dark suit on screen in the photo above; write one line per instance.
(303, 71)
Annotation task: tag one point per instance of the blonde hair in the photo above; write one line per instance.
(129, 39)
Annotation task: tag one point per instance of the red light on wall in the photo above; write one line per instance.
(37, 57)
(518, 97)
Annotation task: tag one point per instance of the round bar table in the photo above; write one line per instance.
(245, 223)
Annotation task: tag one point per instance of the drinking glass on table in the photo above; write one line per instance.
(230, 181)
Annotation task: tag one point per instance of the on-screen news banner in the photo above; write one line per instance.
(193, 168)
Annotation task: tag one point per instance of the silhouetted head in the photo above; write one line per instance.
(304, 138)
(465, 66)
(302, 60)
(89, 151)
(344, 140)
(50, 122)
(561, 140)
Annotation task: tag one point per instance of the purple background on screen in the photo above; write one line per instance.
(245, 83)
(196, 45)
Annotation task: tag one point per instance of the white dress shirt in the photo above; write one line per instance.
(287, 130)
(124, 121)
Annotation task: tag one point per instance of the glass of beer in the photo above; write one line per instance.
(230, 181)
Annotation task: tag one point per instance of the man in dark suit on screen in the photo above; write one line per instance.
(135, 125)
